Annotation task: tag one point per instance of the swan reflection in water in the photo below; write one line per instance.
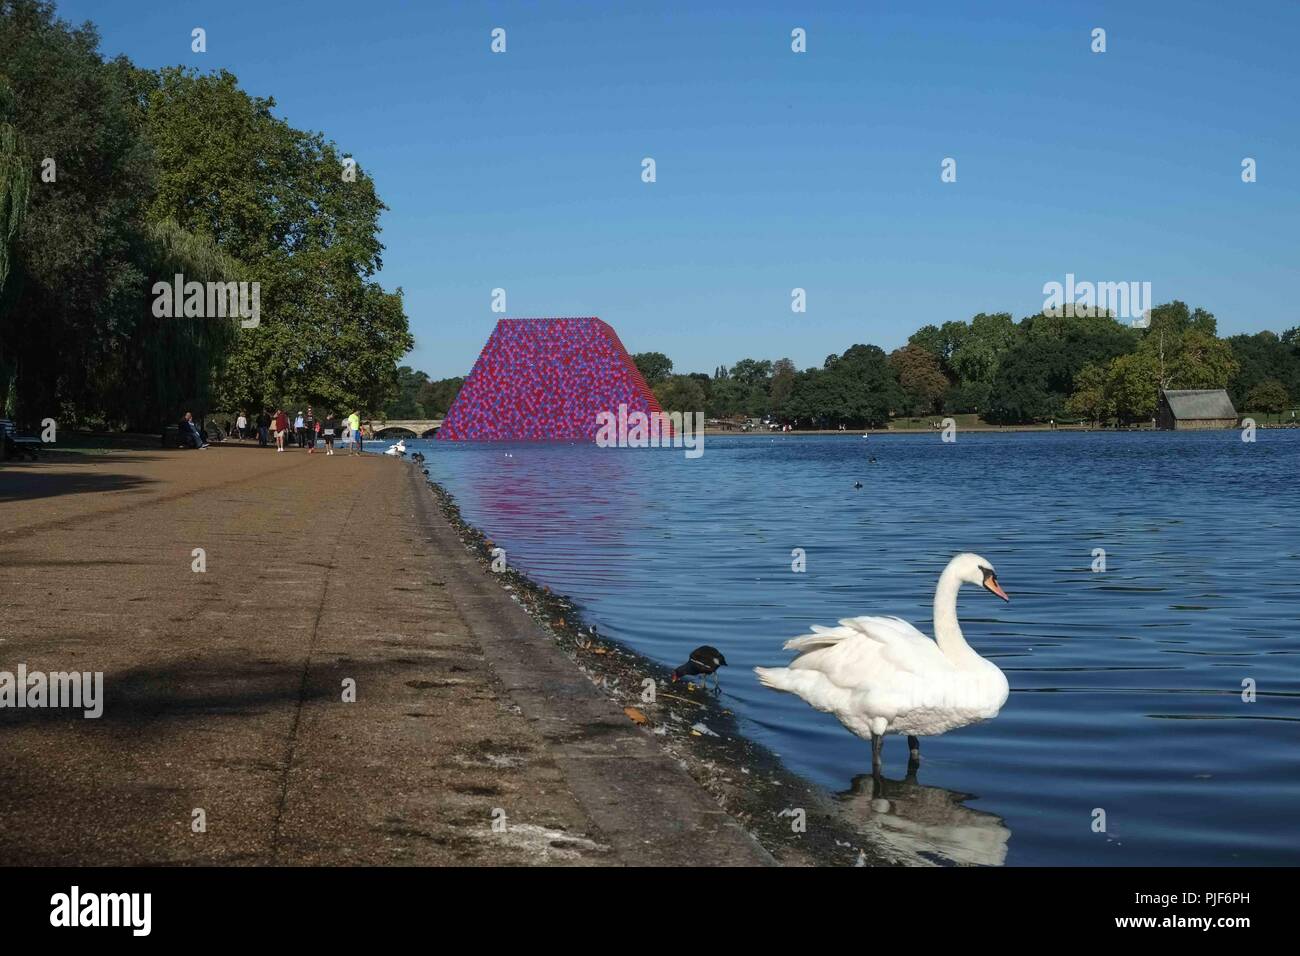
(918, 825)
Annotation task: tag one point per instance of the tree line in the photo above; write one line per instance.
(114, 178)
(1042, 368)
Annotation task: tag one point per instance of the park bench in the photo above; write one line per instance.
(16, 444)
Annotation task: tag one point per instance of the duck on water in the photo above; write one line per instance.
(880, 675)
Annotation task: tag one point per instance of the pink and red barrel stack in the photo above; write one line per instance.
(545, 380)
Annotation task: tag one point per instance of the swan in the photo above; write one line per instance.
(880, 675)
(398, 449)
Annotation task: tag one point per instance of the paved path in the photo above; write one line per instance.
(224, 689)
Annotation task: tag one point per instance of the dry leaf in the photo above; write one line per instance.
(635, 715)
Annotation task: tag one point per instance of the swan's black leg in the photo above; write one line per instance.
(876, 741)
(913, 757)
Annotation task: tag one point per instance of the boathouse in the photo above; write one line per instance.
(1190, 408)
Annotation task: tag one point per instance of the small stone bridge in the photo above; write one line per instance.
(395, 428)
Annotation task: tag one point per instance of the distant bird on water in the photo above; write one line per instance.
(857, 484)
(704, 660)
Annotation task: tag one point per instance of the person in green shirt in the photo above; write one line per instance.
(354, 423)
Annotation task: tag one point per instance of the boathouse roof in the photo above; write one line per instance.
(1199, 404)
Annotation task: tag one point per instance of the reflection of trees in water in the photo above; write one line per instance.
(918, 825)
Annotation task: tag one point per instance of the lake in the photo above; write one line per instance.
(1126, 684)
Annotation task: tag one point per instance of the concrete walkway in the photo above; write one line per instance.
(224, 689)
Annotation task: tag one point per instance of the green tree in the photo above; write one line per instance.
(77, 268)
(407, 404)
(856, 389)
(1268, 396)
(727, 398)
(752, 372)
(1091, 398)
(680, 393)
(1201, 361)
(942, 342)
(655, 367)
(975, 360)
(1183, 346)
(921, 377)
(172, 363)
(1032, 383)
(1261, 357)
(1133, 384)
(15, 179)
(783, 379)
(436, 397)
(1036, 375)
(15, 183)
(307, 229)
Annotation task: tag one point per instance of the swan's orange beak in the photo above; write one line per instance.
(992, 584)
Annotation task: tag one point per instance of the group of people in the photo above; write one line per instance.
(305, 429)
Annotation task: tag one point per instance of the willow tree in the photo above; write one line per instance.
(15, 184)
(15, 180)
(76, 290)
(174, 360)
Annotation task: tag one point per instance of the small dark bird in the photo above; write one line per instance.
(704, 660)
(857, 484)
(872, 459)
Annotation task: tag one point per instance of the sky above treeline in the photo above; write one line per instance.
(778, 170)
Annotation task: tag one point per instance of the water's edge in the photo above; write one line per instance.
(748, 781)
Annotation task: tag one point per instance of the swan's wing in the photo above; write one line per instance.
(863, 650)
(905, 645)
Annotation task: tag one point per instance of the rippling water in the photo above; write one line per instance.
(1126, 686)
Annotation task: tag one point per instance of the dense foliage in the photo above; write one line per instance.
(1043, 368)
(420, 398)
(128, 177)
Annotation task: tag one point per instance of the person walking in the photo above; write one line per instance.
(354, 423)
(281, 425)
(328, 431)
(263, 429)
(241, 423)
(299, 430)
(309, 426)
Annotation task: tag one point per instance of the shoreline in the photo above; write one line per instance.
(228, 690)
(749, 782)
(79, 443)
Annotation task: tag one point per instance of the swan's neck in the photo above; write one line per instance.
(947, 632)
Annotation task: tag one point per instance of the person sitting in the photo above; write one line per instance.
(191, 437)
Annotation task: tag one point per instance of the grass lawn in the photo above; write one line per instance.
(923, 422)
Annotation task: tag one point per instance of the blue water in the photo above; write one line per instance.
(1126, 685)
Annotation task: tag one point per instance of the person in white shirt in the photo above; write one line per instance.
(240, 424)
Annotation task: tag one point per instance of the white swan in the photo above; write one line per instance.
(398, 449)
(880, 675)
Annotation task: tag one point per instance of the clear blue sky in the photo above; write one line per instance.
(778, 170)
